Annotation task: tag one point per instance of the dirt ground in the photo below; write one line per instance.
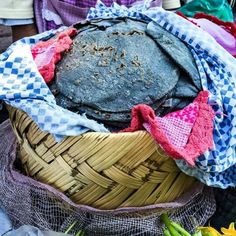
(5, 37)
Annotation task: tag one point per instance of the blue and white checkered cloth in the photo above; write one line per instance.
(217, 69)
(22, 86)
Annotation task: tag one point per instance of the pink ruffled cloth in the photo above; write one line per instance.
(224, 38)
(48, 53)
(177, 126)
(223, 32)
(184, 134)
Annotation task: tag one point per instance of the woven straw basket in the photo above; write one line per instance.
(101, 170)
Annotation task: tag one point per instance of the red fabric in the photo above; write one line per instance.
(200, 139)
(228, 26)
(47, 54)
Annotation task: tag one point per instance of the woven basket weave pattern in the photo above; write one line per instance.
(102, 170)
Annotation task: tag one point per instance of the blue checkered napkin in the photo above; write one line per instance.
(22, 86)
(222, 179)
(217, 69)
(218, 73)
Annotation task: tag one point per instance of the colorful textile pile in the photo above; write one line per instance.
(216, 167)
(184, 134)
(223, 32)
(47, 54)
(219, 8)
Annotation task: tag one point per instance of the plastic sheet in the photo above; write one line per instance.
(27, 230)
(218, 8)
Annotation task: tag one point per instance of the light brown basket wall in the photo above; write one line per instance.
(102, 170)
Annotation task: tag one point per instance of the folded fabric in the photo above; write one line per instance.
(51, 14)
(184, 134)
(217, 69)
(218, 8)
(47, 54)
(22, 86)
(228, 26)
(223, 32)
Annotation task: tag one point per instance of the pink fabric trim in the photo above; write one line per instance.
(199, 141)
(176, 130)
(188, 114)
(47, 54)
(178, 125)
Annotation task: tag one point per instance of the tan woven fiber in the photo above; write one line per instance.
(102, 170)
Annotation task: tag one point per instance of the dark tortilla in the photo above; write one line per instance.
(117, 64)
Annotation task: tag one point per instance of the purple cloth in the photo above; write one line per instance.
(224, 38)
(92, 3)
(51, 14)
